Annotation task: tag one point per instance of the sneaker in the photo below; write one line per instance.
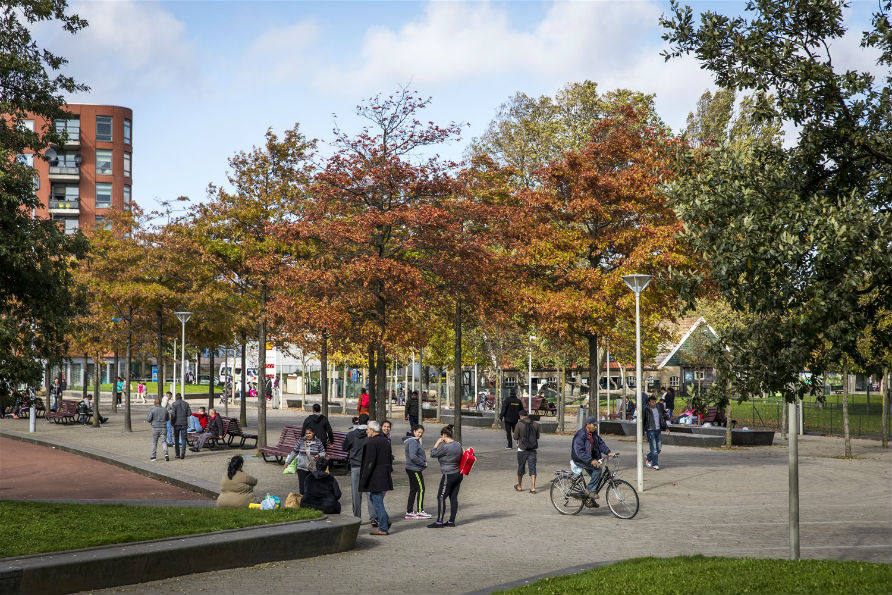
(153, 459)
(411, 516)
(374, 522)
(166, 457)
(656, 467)
(647, 462)
(422, 515)
(509, 447)
(436, 525)
(449, 524)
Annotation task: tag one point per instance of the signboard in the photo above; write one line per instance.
(270, 369)
(154, 373)
(354, 375)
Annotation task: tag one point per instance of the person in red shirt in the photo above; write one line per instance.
(198, 421)
(363, 405)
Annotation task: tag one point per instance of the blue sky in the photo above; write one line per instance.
(206, 79)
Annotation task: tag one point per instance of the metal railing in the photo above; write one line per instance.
(64, 204)
(65, 170)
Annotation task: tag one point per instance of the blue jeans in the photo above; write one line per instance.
(195, 425)
(169, 434)
(594, 474)
(655, 440)
(378, 503)
(179, 439)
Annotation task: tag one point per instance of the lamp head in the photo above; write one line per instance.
(637, 283)
(184, 316)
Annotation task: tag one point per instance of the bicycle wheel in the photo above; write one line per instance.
(622, 499)
(563, 497)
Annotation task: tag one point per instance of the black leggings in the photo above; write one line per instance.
(449, 485)
(416, 491)
(509, 431)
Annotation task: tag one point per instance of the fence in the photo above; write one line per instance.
(865, 414)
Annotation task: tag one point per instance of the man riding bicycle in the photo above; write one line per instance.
(587, 449)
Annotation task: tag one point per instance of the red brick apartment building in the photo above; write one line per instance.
(91, 173)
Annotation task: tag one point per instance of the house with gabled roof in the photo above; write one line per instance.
(683, 362)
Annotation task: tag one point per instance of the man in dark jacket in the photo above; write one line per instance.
(654, 423)
(180, 412)
(375, 475)
(320, 425)
(322, 492)
(588, 449)
(527, 436)
(412, 409)
(354, 443)
(509, 414)
(214, 429)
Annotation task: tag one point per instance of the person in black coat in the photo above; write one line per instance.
(375, 474)
(214, 429)
(510, 414)
(322, 492)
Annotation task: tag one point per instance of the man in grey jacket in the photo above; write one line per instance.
(180, 412)
(158, 417)
(354, 444)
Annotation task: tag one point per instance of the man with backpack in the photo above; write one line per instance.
(527, 435)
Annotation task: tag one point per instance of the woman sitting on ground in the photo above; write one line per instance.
(237, 487)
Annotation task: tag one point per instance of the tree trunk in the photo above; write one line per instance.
(847, 438)
(622, 411)
(593, 375)
(323, 359)
(243, 404)
(439, 392)
(213, 378)
(381, 384)
(127, 424)
(261, 373)
(96, 394)
(783, 423)
(728, 426)
(160, 357)
(497, 404)
(561, 404)
(887, 397)
(458, 372)
(84, 388)
(373, 383)
(114, 384)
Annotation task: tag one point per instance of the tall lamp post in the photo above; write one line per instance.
(184, 318)
(637, 283)
(530, 376)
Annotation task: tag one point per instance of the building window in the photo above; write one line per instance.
(510, 381)
(26, 125)
(64, 196)
(70, 128)
(102, 223)
(675, 381)
(26, 158)
(127, 164)
(68, 224)
(127, 132)
(127, 197)
(104, 162)
(103, 195)
(104, 128)
(65, 163)
(36, 183)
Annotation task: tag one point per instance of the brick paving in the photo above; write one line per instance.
(707, 501)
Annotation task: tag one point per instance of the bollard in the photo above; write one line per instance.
(581, 414)
(32, 419)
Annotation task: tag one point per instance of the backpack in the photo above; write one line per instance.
(467, 461)
(529, 437)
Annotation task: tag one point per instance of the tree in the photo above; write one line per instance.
(799, 237)
(38, 297)
(233, 231)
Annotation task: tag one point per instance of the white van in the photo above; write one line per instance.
(236, 374)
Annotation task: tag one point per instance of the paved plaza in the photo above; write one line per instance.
(704, 501)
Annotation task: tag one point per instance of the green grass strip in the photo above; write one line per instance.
(39, 527)
(699, 575)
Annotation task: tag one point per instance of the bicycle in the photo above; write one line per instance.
(569, 494)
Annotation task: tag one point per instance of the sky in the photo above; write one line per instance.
(206, 79)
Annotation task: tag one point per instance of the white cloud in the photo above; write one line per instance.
(128, 48)
(455, 41)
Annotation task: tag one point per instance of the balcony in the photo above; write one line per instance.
(61, 173)
(61, 206)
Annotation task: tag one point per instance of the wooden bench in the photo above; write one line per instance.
(66, 412)
(24, 411)
(234, 430)
(714, 415)
(289, 437)
(334, 453)
(540, 405)
(214, 441)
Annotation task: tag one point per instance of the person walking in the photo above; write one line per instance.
(56, 393)
(669, 401)
(416, 463)
(158, 417)
(362, 405)
(509, 415)
(309, 452)
(166, 402)
(448, 452)
(654, 423)
(141, 392)
(354, 443)
(180, 414)
(412, 409)
(376, 474)
(527, 435)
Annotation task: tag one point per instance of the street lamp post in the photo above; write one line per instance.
(184, 318)
(637, 283)
(530, 376)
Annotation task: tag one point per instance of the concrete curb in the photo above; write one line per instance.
(181, 480)
(129, 563)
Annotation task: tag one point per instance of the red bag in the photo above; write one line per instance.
(467, 461)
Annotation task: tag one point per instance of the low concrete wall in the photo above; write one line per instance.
(702, 440)
(124, 564)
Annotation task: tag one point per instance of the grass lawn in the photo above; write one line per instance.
(37, 527)
(696, 575)
(152, 388)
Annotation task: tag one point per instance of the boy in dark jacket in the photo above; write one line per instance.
(180, 413)
(354, 444)
(510, 413)
(320, 425)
